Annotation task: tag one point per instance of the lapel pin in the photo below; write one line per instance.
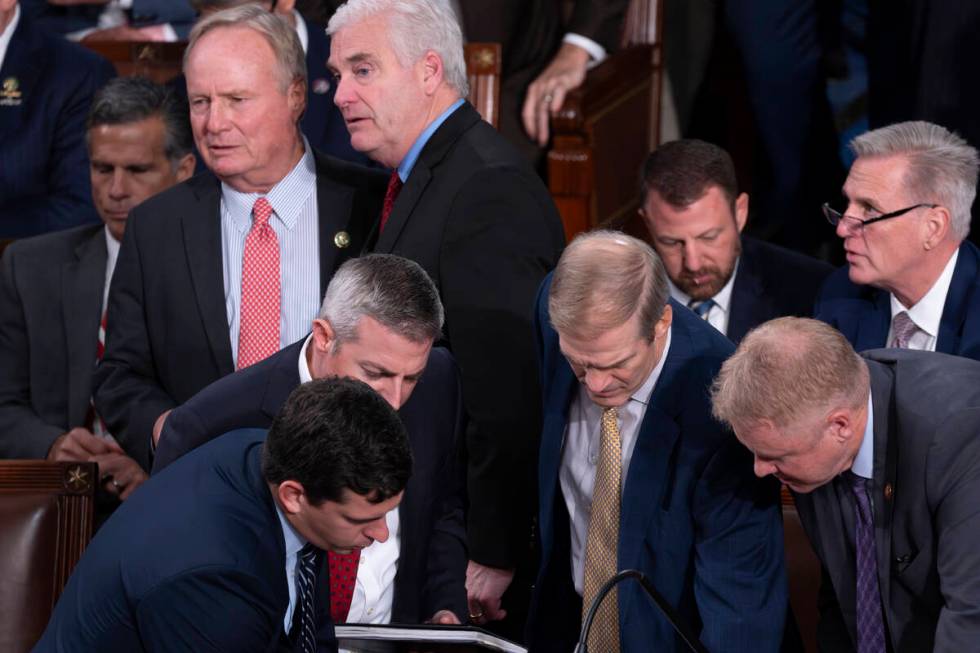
(341, 239)
(889, 491)
(10, 95)
(320, 86)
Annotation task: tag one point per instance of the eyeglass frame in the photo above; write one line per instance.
(829, 212)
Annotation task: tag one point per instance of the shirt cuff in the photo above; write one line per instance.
(125, 4)
(596, 52)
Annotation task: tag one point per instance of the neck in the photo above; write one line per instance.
(442, 100)
(917, 282)
(261, 186)
(5, 18)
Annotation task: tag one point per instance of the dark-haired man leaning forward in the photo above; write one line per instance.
(379, 318)
(225, 552)
(881, 452)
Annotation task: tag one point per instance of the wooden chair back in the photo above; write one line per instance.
(159, 62)
(46, 520)
(483, 74)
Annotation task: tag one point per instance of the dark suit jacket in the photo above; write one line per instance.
(772, 282)
(65, 20)
(167, 326)
(44, 176)
(926, 419)
(694, 519)
(50, 306)
(863, 313)
(206, 573)
(432, 560)
(477, 218)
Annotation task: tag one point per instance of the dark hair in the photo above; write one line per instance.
(338, 433)
(682, 171)
(131, 99)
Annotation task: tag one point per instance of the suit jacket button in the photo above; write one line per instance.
(889, 491)
(341, 239)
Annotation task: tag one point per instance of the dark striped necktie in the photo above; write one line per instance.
(304, 621)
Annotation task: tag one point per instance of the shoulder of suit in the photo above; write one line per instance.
(170, 204)
(762, 254)
(66, 59)
(54, 245)
(331, 169)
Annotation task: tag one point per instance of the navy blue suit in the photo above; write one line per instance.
(432, 560)
(65, 20)
(194, 560)
(863, 313)
(772, 282)
(694, 519)
(47, 87)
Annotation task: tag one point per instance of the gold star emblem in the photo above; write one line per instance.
(484, 58)
(77, 479)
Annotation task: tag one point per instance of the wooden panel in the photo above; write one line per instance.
(483, 75)
(160, 62)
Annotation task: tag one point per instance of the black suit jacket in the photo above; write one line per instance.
(195, 560)
(772, 282)
(167, 324)
(432, 560)
(50, 305)
(481, 223)
(926, 485)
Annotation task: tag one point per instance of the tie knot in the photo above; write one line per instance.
(903, 328)
(701, 307)
(261, 211)
(394, 185)
(308, 552)
(609, 416)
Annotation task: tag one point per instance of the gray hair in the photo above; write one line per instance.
(414, 28)
(132, 99)
(784, 370)
(942, 167)
(602, 279)
(278, 33)
(204, 6)
(390, 289)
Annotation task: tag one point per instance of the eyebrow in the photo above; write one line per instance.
(381, 369)
(572, 359)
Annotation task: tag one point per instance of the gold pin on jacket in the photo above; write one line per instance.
(341, 239)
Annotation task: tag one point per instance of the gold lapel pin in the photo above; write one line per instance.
(341, 239)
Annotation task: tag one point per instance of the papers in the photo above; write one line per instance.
(371, 638)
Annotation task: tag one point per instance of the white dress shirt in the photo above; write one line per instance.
(927, 312)
(374, 590)
(719, 313)
(864, 462)
(8, 33)
(112, 255)
(295, 222)
(580, 455)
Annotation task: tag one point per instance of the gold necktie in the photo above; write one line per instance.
(602, 542)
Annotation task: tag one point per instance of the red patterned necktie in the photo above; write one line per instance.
(394, 187)
(343, 578)
(94, 420)
(258, 334)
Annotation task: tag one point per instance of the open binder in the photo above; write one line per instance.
(369, 638)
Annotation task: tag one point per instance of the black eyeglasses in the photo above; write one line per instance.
(835, 217)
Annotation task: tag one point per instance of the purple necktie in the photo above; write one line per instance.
(870, 624)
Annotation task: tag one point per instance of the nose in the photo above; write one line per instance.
(217, 119)
(763, 468)
(596, 380)
(118, 188)
(843, 227)
(342, 94)
(378, 530)
(692, 256)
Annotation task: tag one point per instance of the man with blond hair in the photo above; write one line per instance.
(881, 452)
(911, 280)
(635, 474)
(467, 207)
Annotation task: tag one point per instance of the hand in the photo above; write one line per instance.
(79, 444)
(546, 94)
(484, 588)
(444, 618)
(120, 474)
(158, 426)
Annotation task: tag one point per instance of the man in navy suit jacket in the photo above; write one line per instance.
(46, 86)
(379, 319)
(695, 215)
(207, 555)
(691, 515)
(911, 278)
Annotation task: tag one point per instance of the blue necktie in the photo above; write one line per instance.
(305, 622)
(870, 624)
(701, 308)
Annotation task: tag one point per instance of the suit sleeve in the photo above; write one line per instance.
(740, 579)
(68, 200)
(502, 237)
(183, 431)
(128, 395)
(23, 434)
(599, 20)
(953, 472)
(209, 610)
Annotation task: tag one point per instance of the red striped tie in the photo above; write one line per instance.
(258, 334)
(394, 187)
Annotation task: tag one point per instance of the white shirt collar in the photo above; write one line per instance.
(304, 36)
(305, 376)
(287, 197)
(722, 300)
(8, 33)
(928, 311)
(864, 462)
(643, 393)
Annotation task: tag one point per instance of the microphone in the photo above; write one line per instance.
(674, 619)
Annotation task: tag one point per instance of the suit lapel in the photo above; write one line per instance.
(435, 150)
(201, 227)
(335, 210)
(873, 325)
(83, 282)
(748, 300)
(552, 442)
(23, 62)
(885, 466)
(957, 301)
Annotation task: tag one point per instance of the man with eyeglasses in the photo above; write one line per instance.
(911, 279)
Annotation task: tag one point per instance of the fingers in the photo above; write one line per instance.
(121, 474)
(79, 444)
(445, 618)
(547, 93)
(158, 426)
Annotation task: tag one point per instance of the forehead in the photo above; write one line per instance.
(374, 340)
(876, 177)
(230, 52)
(608, 347)
(712, 210)
(358, 506)
(365, 39)
(142, 139)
